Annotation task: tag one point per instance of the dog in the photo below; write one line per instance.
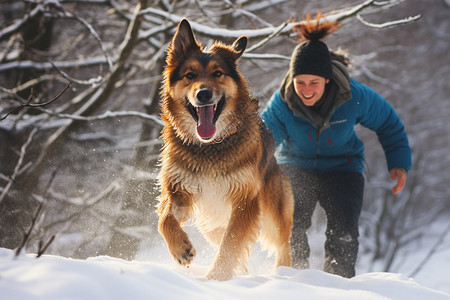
(217, 159)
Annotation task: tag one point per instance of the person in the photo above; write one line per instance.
(312, 117)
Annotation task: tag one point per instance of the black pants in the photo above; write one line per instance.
(340, 194)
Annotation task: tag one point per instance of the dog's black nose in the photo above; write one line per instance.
(204, 95)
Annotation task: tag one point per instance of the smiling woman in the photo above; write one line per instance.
(312, 118)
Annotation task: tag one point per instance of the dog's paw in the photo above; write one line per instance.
(184, 253)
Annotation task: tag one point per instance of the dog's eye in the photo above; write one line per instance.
(217, 74)
(190, 75)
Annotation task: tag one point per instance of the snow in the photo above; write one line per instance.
(55, 277)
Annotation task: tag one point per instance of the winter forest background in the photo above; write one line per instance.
(79, 161)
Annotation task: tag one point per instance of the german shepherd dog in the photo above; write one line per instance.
(217, 161)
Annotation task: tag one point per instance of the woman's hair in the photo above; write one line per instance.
(341, 56)
(314, 31)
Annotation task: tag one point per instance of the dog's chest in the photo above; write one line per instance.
(212, 209)
(213, 194)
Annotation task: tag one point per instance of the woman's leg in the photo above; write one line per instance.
(342, 205)
(303, 187)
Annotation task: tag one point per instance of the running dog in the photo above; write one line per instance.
(217, 162)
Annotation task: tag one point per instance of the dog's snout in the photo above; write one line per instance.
(204, 95)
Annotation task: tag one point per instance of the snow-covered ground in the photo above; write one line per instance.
(54, 277)
(155, 276)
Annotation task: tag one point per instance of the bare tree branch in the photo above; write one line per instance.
(27, 234)
(92, 81)
(29, 104)
(33, 82)
(218, 33)
(18, 164)
(268, 38)
(89, 27)
(103, 91)
(366, 71)
(249, 15)
(431, 252)
(106, 115)
(42, 66)
(268, 56)
(221, 33)
(8, 47)
(340, 15)
(389, 24)
(21, 22)
(34, 219)
(42, 248)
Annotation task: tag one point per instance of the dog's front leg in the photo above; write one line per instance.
(242, 230)
(172, 211)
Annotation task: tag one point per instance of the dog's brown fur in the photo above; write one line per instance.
(230, 182)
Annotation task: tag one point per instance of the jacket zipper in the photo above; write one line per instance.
(317, 149)
(318, 132)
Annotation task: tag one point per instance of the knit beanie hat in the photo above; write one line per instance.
(311, 57)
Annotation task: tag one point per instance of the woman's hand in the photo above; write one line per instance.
(400, 176)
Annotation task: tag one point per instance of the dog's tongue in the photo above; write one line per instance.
(205, 127)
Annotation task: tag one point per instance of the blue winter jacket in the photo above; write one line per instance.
(335, 146)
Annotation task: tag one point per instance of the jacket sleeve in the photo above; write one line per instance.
(273, 117)
(378, 115)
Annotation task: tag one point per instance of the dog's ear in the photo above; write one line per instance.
(239, 46)
(183, 42)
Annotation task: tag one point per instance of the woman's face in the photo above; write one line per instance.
(309, 88)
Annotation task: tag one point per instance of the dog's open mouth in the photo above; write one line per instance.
(206, 117)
